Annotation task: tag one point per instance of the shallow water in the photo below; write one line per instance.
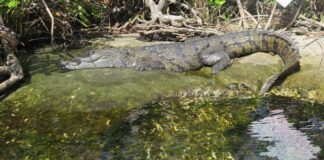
(171, 128)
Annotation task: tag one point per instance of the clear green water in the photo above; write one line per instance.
(183, 129)
(172, 128)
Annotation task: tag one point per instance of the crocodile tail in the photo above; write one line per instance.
(9, 36)
(277, 78)
(243, 43)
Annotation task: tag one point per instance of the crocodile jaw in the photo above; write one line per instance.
(75, 64)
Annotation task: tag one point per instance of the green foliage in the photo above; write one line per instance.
(10, 3)
(83, 12)
(217, 2)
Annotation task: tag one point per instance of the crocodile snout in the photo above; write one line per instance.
(69, 65)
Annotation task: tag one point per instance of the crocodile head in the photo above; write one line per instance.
(75, 64)
(111, 57)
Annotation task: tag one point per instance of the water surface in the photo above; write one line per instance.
(169, 128)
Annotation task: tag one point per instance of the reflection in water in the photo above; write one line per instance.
(289, 143)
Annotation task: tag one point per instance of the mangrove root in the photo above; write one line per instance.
(10, 68)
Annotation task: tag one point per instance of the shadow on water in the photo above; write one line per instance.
(171, 128)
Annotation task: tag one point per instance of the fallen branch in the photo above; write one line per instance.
(10, 66)
(313, 22)
(169, 33)
(239, 18)
(14, 70)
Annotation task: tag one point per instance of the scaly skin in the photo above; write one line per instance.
(216, 51)
(238, 44)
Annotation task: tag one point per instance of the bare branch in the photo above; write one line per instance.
(318, 24)
(250, 15)
(271, 16)
(52, 21)
(239, 4)
(171, 33)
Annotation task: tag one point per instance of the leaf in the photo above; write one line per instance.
(217, 2)
(13, 4)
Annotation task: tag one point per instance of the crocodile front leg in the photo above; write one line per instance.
(147, 63)
(216, 57)
(223, 62)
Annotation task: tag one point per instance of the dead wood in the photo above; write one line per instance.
(10, 68)
(312, 22)
(159, 16)
(169, 33)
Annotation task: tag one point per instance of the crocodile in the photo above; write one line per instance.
(215, 51)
